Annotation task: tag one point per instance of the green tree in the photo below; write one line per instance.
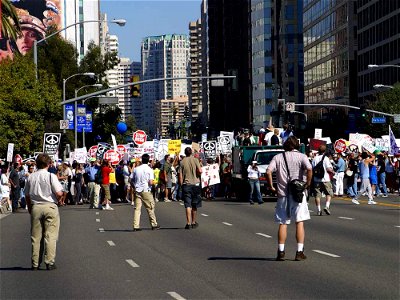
(9, 20)
(388, 102)
(26, 106)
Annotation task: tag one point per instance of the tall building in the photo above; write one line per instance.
(111, 45)
(203, 119)
(103, 33)
(378, 35)
(229, 49)
(195, 96)
(171, 112)
(330, 55)
(82, 34)
(163, 56)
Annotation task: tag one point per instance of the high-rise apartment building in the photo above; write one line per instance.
(162, 57)
(330, 49)
(229, 51)
(378, 35)
(171, 112)
(81, 35)
(195, 94)
(203, 119)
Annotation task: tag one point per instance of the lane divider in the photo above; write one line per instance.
(111, 243)
(397, 226)
(204, 215)
(227, 224)
(345, 218)
(98, 220)
(326, 253)
(97, 213)
(101, 229)
(264, 235)
(176, 296)
(132, 263)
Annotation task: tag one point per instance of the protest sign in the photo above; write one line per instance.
(210, 175)
(174, 146)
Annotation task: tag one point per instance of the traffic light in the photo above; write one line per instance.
(135, 89)
(281, 105)
(363, 111)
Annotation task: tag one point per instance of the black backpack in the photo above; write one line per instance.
(318, 170)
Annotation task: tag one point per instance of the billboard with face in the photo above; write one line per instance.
(35, 17)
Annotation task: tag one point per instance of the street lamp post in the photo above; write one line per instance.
(120, 22)
(382, 86)
(97, 85)
(382, 66)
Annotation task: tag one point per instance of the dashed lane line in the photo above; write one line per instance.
(397, 226)
(132, 263)
(101, 229)
(326, 253)
(345, 218)
(204, 215)
(98, 220)
(111, 243)
(264, 235)
(97, 213)
(176, 296)
(227, 224)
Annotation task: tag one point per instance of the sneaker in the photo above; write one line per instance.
(188, 226)
(280, 256)
(251, 203)
(355, 201)
(384, 196)
(136, 229)
(319, 213)
(108, 207)
(261, 202)
(327, 211)
(50, 267)
(195, 225)
(372, 202)
(166, 200)
(300, 256)
(157, 227)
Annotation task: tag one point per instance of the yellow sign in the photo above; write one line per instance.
(174, 146)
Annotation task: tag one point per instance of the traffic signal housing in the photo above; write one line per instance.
(135, 89)
(281, 106)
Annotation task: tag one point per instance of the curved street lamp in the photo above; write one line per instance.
(120, 22)
(382, 66)
(382, 86)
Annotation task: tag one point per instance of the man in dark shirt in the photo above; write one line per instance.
(15, 188)
(275, 137)
(381, 177)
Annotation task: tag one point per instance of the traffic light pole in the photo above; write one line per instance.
(343, 105)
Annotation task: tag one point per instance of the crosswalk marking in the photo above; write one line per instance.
(346, 218)
(326, 253)
(111, 243)
(264, 235)
(176, 296)
(132, 263)
(227, 224)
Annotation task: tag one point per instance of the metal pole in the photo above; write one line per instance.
(76, 120)
(64, 131)
(35, 58)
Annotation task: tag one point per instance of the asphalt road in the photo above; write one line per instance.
(354, 253)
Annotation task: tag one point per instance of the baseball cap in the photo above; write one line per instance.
(92, 159)
(254, 162)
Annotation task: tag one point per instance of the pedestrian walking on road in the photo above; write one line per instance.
(364, 175)
(106, 169)
(42, 192)
(189, 179)
(93, 186)
(287, 209)
(254, 181)
(142, 178)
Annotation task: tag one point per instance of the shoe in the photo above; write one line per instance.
(157, 227)
(51, 267)
(195, 225)
(261, 202)
(355, 201)
(372, 202)
(34, 268)
(300, 256)
(280, 256)
(326, 210)
(384, 196)
(136, 229)
(166, 200)
(319, 213)
(251, 203)
(108, 207)
(188, 226)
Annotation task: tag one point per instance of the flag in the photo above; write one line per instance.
(393, 149)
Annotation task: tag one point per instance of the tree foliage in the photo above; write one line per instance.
(9, 20)
(26, 105)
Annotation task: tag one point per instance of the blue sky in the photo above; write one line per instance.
(147, 18)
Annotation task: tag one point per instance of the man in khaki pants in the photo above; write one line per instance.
(142, 178)
(42, 190)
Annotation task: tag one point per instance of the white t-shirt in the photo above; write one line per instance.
(141, 176)
(327, 165)
(268, 137)
(41, 188)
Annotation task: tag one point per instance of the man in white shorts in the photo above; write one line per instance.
(287, 209)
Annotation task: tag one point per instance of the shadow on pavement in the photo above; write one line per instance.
(241, 258)
(15, 269)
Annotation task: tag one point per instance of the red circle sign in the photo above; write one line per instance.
(340, 146)
(92, 151)
(112, 156)
(121, 149)
(139, 137)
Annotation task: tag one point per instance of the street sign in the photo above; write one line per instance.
(379, 120)
(290, 106)
(396, 118)
(139, 137)
(64, 124)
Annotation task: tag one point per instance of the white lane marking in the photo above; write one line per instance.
(326, 253)
(176, 296)
(397, 226)
(98, 220)
(264, 235)
(101, 229)
(132, 263)
(345, 218)
(227, 224)
(111, 243)
(97, 213)
(204, 215)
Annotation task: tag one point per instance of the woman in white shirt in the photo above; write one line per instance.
(253, 176)
(5, 187)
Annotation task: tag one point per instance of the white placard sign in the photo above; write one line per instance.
(317, 133)
(369, 146)
(225, 144)
(10, 151)
(80, 155)
(210, 175)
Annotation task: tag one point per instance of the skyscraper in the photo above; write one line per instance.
(195, 95)
(162, 57)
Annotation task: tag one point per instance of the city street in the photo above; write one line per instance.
(354, 253)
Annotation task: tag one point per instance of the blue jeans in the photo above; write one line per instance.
(255, 185)
(381, 180)
(352, 189)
